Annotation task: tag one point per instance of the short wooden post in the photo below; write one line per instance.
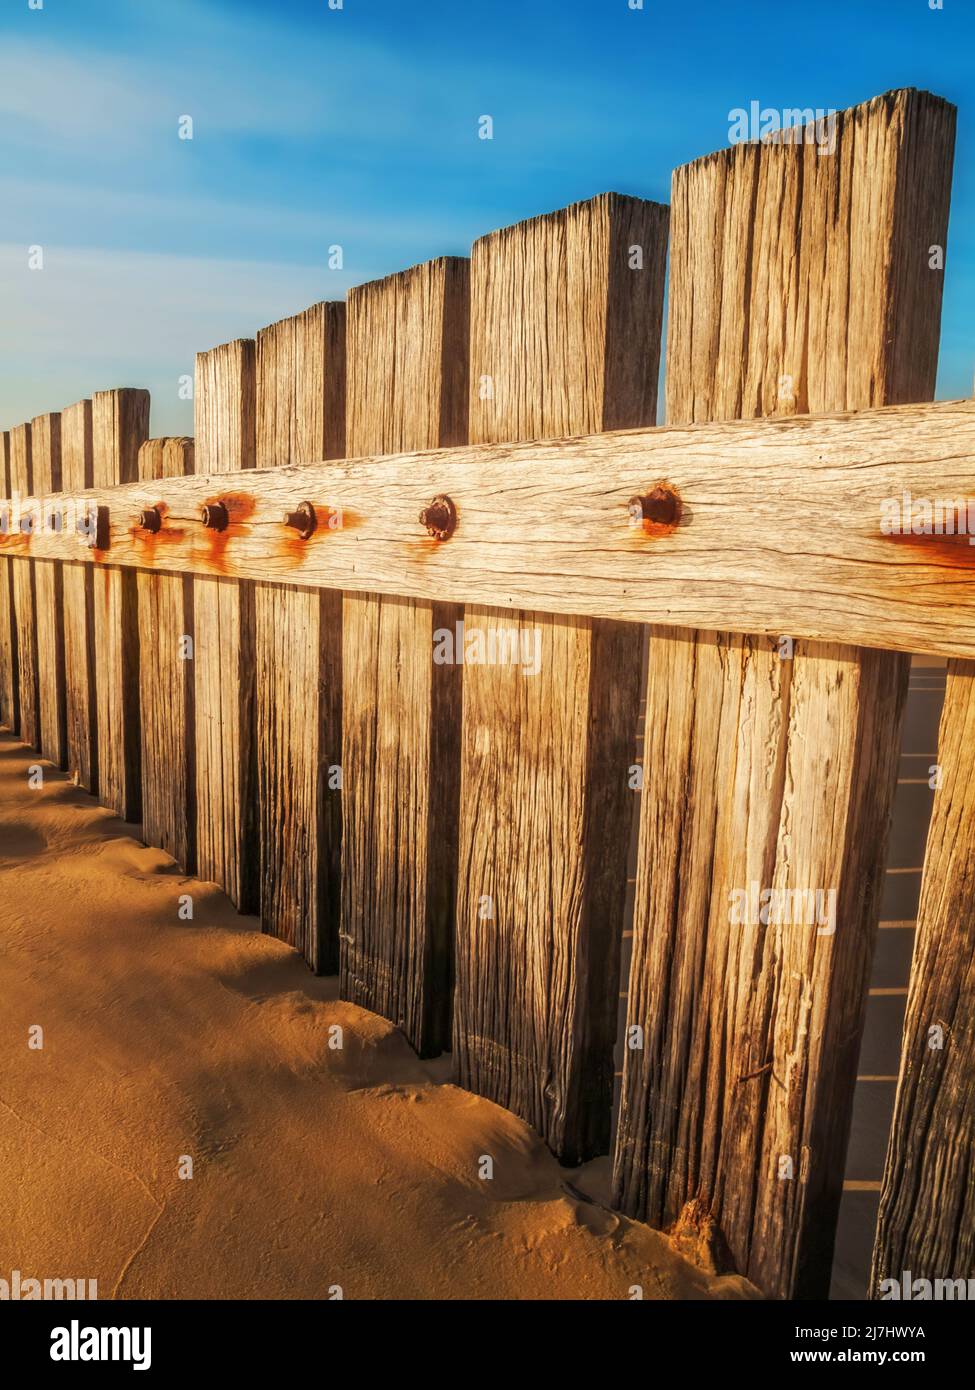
(120, 424)
(226, 750)
(25, 612)
(301, 419)
(926, 1226)
(45, 433)
(407, 363)
(565, 339)
(78, 585)
(166, 638)
(9, 680)
(800, 281)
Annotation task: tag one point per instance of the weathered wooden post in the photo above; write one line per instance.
(226, 750)
(9, 679)
(565, 339)
(45, 433)
(926, 1226)
(166, 680)
(407, 363)
(120, 424)
(800, 281)
(300, 419)
(25, 611)
(78, 587)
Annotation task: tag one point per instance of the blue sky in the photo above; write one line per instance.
(358, 127)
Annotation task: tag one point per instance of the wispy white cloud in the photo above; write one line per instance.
(91, 320)
(175, 218)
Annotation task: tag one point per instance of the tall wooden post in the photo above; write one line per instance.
(301, 419)
(565, 339)
(166, 639)
(78, 586)
(407, 362)
(9, 679)
(120, 424)
(800, 281)
(48, 597)
(226, 750)
(25, 612)
(926, 1225)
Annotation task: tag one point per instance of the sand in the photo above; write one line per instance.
(313, 1168)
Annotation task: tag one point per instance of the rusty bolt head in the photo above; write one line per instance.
(440, 518)
(150, 519)
(302, 519)
(215, 516)
(661, 505)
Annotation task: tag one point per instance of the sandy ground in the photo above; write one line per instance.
(312, 1167)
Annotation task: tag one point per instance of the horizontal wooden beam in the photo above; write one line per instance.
(783, 526)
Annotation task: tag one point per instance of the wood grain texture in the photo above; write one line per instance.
(762, 542)
(166, 684)
(407, 363)
(78, 585)
(565, 338)
(45, 433)
(225, 658)
(9, 678)
(120, 425)
(926, 1223)
(300, 419)
(25, 614)
(798, 281)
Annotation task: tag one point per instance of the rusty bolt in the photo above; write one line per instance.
(440, 518)
(150, 520)
(661, 505)
(215, 516)
(302, 519)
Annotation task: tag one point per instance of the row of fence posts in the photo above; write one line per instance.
(453, 840)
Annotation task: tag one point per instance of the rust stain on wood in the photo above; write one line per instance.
(240, 508)
(166, 535)
(954, 551)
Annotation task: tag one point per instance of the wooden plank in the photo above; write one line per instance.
(761, 542)
(166, 636)
(226, 749)
(926, 1223)
(407, 356)
(120, 424)
(764, 773)
(45, 433)
(77, 475)
(9, 679)
(300, 419)
(566, 337)
(25, 619)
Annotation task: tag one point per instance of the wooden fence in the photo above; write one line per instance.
(252, 644)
